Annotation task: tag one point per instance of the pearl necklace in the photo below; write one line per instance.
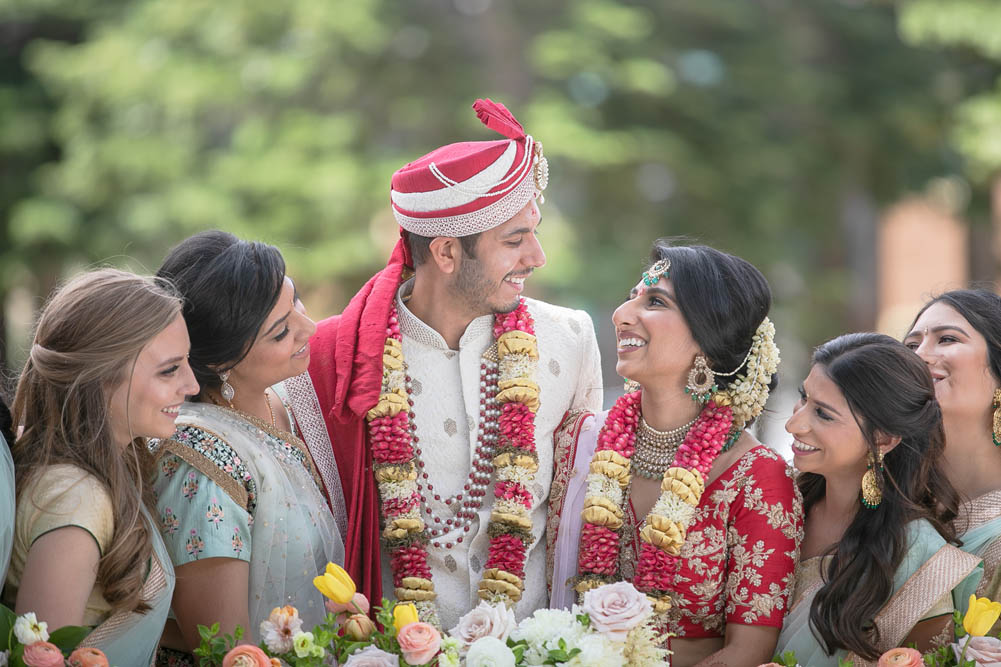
(470, 498)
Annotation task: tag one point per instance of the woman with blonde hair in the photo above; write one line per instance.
(107, 369)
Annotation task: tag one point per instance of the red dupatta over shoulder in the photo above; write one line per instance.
(346, 370)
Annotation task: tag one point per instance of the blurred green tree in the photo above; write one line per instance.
(772, 129)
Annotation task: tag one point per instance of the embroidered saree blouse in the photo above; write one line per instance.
(738, 561)
(230, 487)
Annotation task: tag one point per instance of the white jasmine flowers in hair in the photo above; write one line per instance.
(28, 629)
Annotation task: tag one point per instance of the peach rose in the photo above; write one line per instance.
(246, 655)
(901, 657)
(88, 657)
(986, 651)
(43, 654)
(419, 642)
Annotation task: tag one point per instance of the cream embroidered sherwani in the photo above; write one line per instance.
(446, 395)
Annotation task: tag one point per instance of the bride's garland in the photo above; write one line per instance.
(664, 530)
(506, 444)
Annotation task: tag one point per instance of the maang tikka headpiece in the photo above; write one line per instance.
(659, 269)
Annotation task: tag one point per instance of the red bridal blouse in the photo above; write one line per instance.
(739, 558)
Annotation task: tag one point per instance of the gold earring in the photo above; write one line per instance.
(871, 495)
(996, 431)
(701, 380)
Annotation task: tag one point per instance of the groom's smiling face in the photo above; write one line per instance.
(491, 280)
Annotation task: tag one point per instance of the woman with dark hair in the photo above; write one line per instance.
(242, 507)
(958, 335)
(106, 370)
(6, 488)
(876, 569)
(668, 489)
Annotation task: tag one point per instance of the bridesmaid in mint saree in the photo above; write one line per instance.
(876, 568)
(958, 335)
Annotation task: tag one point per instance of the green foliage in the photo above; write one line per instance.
(126, 126)
(967, 25)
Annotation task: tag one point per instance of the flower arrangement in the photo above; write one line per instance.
(973, 646)
(26, 642)
(613, 625)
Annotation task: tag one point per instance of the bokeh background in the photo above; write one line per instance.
(847, 148)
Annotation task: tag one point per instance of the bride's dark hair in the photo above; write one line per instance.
(890, 392)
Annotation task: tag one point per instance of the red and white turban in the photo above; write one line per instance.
(470, 187)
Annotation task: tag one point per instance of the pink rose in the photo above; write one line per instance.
(419, 642)
(615, 609)
(43, 654)
(486, 620)
(901, 657)
(770, 664)
(371, 656)
(246, 655)
(357, 605)
(88, 657)
(986, 651)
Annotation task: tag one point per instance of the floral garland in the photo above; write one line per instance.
(507, 445)
(665, 528)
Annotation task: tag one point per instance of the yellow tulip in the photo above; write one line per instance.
(404, 614)
(335, 584)
(981, 615)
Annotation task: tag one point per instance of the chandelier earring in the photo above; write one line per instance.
(996, 430)
(871, 494)
(701, 380)
(226, 389)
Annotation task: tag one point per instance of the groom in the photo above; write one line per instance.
(469, 215)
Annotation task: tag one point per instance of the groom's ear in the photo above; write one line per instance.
(446, 253)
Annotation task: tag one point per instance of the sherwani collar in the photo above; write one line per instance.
(415, 328)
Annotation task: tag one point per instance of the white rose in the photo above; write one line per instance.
(597, 651)
(28, 629)
(489, 652)
(486, 620)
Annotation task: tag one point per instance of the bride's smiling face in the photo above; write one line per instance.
(653, 339)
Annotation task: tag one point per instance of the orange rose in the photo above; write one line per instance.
(246, 655)
(43, 654)
(901, 657)
(88, 657)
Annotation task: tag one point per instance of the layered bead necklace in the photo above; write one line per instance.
(664, 530)
(509, 398)
(655, 450)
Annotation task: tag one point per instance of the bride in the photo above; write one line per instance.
(668, 489)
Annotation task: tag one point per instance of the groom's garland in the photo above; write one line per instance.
(664, 530)
(506, 443)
